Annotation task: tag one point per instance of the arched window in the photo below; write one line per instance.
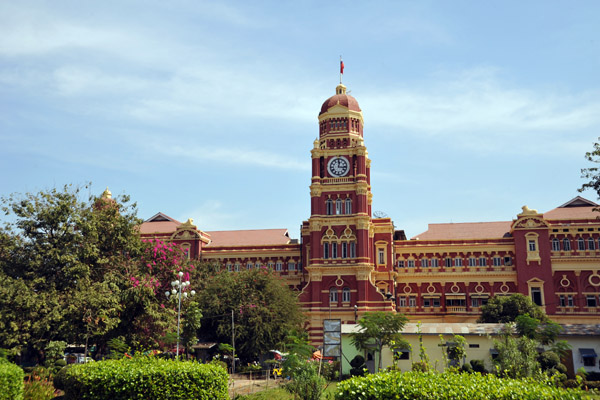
(229, 267)
(325, 250)
(237, 267)
(333, 295)
(348, 206)
(566, 244)
(338, 206)
(352, 249)
(346, 295)
(249, 265)
(278, 266)
(334, 249)
(344, 250)
(329, 206)
(580, 244)
(591, 244)
(555, 244)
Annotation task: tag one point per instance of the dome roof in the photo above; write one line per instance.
(340, 98)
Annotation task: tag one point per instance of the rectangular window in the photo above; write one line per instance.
(536, 295)
(229, 267)
(426, 302)
(555, 245)
(507, 260)
(580, 244)
(381, 256)
(482, 261)
(562, 300)
(412, 301)
(237, 267)
(473, 345)
(334, 250)
(589, 361)
(401, 301)
(434, 263)
(566, 244)
(436, 302)
(531, 245)
(497, 261)
(472, 262)
(249, 266)
(344, 250)
(590, 300)
(570, 301)
(458, 262)
(424, 263)
(325, 250)
(448, 262)
(591, 244)
(278, 266)
(352, 250)
(475, 303)
(411, 263)
(400, 263)
(291, 266)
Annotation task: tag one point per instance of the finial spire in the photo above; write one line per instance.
(341, 69)
(107, 194)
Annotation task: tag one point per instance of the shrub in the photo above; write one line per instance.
(38, 385)
(592, 376)
(358, 366)
(420, 366)
(446, 386)
(145, 377)
(478, 366)
(11, 381)
(306, 383)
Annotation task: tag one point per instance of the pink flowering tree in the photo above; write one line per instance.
(149, 316)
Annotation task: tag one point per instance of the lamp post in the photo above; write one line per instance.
(355, 313)
(178, 290)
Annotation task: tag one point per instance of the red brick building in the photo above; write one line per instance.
(347, 262)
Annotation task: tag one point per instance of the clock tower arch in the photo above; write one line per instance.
(341, 243)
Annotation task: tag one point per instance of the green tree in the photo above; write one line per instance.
(66, 266)
(592, 173)
(503, 309)
(378, 329)
(265, 310)
(517, 356)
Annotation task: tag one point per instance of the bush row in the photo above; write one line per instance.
(143, 378)
(442, 386)
(11, 381)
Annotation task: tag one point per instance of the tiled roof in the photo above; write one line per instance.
(466, 230)
(159, 223)
(570, 213)
(253, 237)
(580, 330)
(431, 328)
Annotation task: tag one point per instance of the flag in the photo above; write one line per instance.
(341, 67)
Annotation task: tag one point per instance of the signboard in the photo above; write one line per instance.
(332, 338)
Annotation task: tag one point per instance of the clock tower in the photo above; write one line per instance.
(347, 253)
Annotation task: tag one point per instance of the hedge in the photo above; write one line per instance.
(11, 381)
(144, 378)
(446, 386)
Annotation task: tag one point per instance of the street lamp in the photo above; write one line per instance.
(355, 313)
(178, 290)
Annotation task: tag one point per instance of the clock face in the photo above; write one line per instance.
(338, 166)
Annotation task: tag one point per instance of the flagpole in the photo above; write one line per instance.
(341, 73)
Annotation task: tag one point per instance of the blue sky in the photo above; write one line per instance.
(209, 109)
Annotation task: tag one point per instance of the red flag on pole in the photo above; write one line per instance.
(341, 67)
